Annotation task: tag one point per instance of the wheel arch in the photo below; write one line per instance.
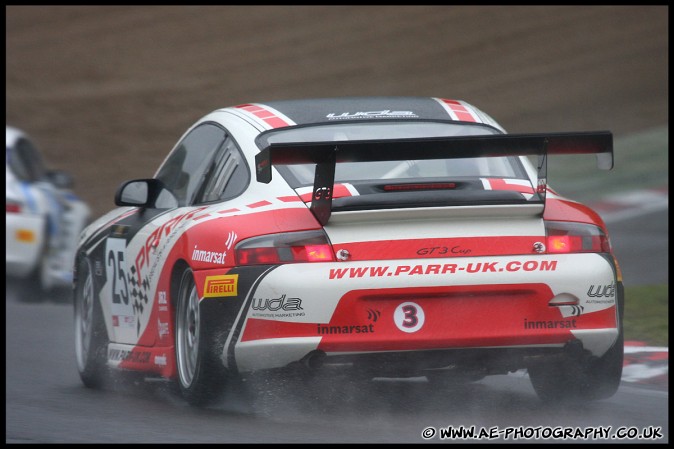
(174, 283)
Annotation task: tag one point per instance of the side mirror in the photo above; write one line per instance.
(144, 193)
(60, 179)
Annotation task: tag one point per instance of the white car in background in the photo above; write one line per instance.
(44, 220)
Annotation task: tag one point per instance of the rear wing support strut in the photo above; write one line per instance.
(328, 153)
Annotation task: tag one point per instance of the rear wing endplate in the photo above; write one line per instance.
(327, 154)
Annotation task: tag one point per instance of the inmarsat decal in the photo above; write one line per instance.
(214, 256)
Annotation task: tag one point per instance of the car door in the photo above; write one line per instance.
(137, 245)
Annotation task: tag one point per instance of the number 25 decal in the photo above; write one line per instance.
(116, 270)
(409, 317)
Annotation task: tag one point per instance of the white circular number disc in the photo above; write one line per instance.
(409, 317)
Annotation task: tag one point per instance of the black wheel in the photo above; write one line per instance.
(33, 288)
(28, 289)
(201, 376)
(91, 340)
(605, 373)
(575, 380)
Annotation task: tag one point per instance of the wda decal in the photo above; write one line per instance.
(600, 291)
(282, 307)
(275, 304)
(386, 113)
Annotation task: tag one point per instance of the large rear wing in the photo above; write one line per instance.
(327, 154)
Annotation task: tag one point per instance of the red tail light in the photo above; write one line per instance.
(291, 247)
(565, 237)
(12, 207)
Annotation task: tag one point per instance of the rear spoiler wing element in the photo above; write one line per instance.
(327, 154)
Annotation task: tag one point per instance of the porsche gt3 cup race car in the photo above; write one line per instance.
(385, 236)
(44, 219)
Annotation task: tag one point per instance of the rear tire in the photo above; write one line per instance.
(28, 289)
(91, 339)
(574, 380)
(201, 376)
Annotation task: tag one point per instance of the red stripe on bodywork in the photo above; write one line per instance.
(502, 184)
(259, 329)
(290, 199)
(159, 360)
(259, 204)
(563, 210)
(265, 115)
(338, 191)
(460, 110)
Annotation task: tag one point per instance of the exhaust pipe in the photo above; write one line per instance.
(313, 360)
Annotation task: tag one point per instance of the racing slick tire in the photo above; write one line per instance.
(31, 289)
(576, 380)
(201, 375)
(91, 338)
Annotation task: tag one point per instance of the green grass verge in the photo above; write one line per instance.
(646, 314)
(641, 162)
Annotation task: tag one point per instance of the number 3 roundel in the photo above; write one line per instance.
(409, 317)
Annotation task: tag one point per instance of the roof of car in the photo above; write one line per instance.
(12, 135)
(281, 113)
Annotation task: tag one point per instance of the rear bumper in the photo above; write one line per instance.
(24, 242)
(403, 306)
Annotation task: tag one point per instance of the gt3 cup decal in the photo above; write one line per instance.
(409, 317)
(437, 251)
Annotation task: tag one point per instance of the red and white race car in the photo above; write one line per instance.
(388, 236)
(44, 219)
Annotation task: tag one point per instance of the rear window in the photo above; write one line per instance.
(25, 161)
(404, 171)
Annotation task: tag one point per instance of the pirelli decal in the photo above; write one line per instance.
(218, 286)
